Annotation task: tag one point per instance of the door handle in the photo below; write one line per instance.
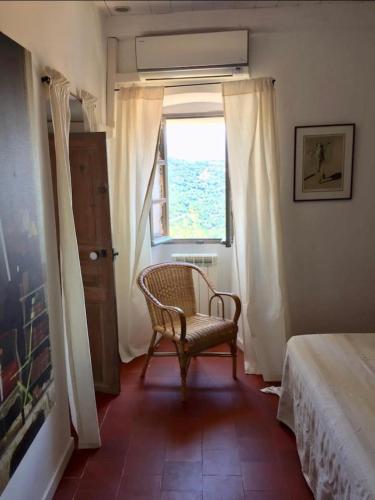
(114, 253)
(96, 254)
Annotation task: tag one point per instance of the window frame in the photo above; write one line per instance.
(162, 201)
(227, 241)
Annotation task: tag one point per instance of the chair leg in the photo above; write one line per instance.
(233, 349)
(184, 360)
(183, 383)
(149, 354)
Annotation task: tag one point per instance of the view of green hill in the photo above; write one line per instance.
(196, 198)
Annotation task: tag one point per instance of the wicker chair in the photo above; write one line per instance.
(170, 296)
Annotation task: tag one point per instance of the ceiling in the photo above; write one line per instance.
(144, 7)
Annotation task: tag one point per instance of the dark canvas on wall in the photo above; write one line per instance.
(26, 384)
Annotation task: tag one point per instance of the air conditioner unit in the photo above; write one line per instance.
(196, 56)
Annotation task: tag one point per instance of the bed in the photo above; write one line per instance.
(328, 400)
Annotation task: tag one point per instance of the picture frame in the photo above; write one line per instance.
(27, 389)
(323, 162)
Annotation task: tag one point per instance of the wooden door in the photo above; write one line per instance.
(88, 164)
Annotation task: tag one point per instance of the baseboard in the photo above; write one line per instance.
(53, 484)
(240, 344)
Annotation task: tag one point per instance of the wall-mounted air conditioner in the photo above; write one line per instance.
(196, 56)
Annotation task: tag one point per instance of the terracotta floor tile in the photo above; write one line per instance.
(267, 495)
(181, 495)
(262, 476)
(252, 425)
(218, 436)
(222, 488)
(137, 496)
(298, 487)
(291, 468)
(139, 486)
(221, 462)
(301, 493)
(144, 461)
(150, 440)
(182, 420)
(67, 488)
(77, 463)
(184, 452)
(284, 437)
(149, 437)
(289, 459)
(184, 444)
(94, 493)
(182, 476)
(111, 450)
(116, 428)
(254, 449)
(102, 475)
(103, 402)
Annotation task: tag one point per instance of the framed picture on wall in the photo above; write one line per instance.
(323, 162)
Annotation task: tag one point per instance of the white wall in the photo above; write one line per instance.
(322, 56)
(67, 36)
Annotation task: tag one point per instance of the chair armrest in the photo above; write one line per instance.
(234, 297)
(181, 315)
(168, 310)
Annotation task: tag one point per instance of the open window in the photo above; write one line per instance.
(159, 206)
(190, 199)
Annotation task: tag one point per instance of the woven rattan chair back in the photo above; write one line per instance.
(172, 285)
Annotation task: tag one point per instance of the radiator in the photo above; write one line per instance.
(208, 263)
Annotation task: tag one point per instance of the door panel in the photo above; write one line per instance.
(88, 164)
(86, 206)
(94, 323)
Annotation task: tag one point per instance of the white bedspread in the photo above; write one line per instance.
(328, 400)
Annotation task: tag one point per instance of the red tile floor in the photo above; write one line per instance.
(223, 444)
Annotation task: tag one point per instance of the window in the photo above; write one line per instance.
(190, 191)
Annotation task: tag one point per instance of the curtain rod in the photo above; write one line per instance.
(194, 85)
(47, 79)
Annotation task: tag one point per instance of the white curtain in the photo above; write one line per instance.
(249, 107)
(90, 121)
(80, 378)
(138, 116)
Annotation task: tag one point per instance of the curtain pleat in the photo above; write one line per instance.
(132, 153)
(79, 370)
(90, 120)
(249, 108)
